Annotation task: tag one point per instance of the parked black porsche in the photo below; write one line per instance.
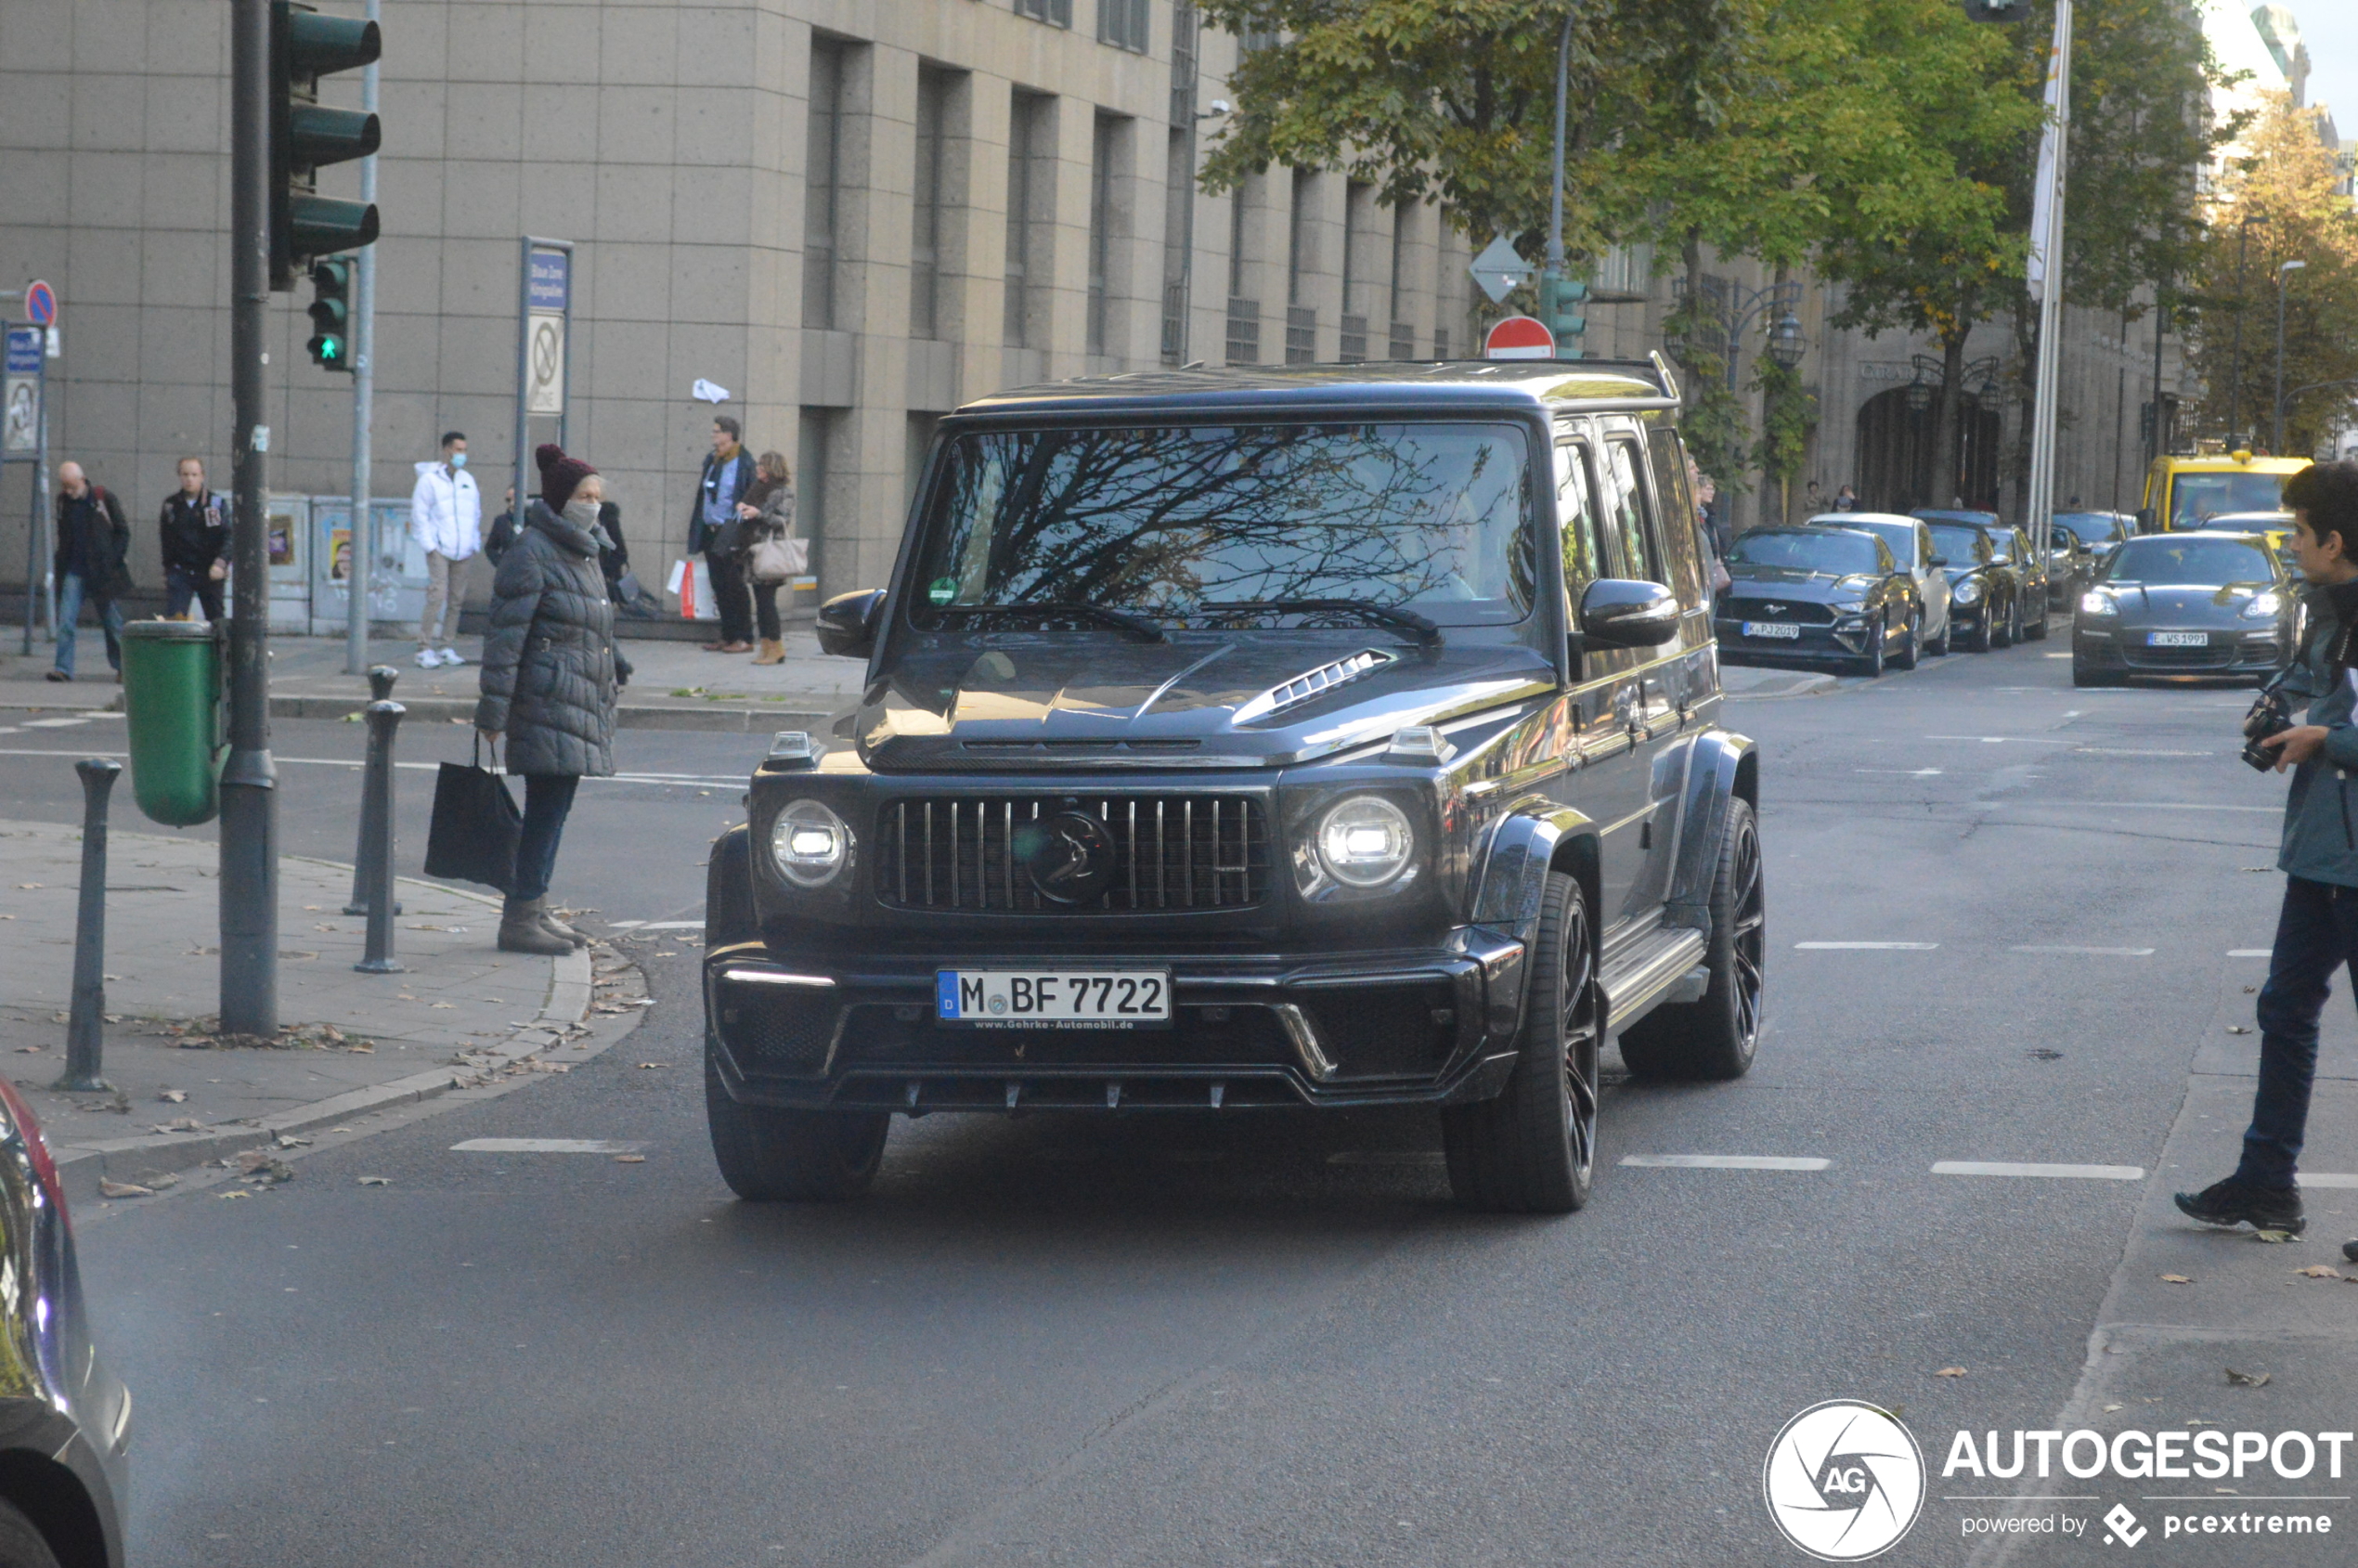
(1985, 608)
(2189, 603)
(1817, 595)
(65, 1423)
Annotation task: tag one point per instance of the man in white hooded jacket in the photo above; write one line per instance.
(445, 518)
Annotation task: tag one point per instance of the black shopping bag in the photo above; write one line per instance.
(472, 836)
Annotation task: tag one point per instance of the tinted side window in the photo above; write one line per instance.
(1635, 550)
(1681, 523)
(1576, 505)
(1925, 548)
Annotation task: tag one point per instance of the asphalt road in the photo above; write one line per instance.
(1270, 1338)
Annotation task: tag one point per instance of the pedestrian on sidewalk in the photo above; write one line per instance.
(195, 525)
(445, 518)
(712, 528)
(1845, 499)
(551, 677)
(2317, 929)
(94, 541)
(766, 520)
(503, 532)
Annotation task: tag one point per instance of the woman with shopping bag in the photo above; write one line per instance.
(551, 679)
(772, 555)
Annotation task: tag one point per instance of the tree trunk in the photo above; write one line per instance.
(1948, 456)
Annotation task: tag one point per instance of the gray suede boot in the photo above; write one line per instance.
(549, 923)
(521, 931)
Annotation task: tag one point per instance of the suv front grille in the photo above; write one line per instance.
(1742, 609)
(1173, 852)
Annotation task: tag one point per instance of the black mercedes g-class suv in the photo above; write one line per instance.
(1332, 736)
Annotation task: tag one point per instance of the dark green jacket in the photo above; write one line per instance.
(2321, 815)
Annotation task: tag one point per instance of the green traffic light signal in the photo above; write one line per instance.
(1559, 300)
(1997, 11)
(332, 313)
(306, 137)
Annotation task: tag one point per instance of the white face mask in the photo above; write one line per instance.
(458, 459)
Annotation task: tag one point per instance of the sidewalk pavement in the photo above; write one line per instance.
(1755, 680)
(676, 685)
(461, 1014)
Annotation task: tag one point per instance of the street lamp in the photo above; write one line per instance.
(2236, 360)
(1919, 395)
(2282, 269)
(1785, 346)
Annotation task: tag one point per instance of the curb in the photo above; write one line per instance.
(80, 1166)
(440, 710)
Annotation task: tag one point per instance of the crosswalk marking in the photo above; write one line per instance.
(2011, 1168)
(2247, 952)
(1727, 1161)
(1866, 947)
(2091, 952)
(2327, 1178)
(547, 1146)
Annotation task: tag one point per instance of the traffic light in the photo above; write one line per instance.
(1997, 11)
(330, 341)
(305, 137)
(1559, 300)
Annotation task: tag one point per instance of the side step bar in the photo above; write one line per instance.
(1644, 971)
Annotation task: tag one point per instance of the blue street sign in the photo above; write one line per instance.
(24, 351)
(551, 280)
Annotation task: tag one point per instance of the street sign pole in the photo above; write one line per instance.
(2046, 279)
(249, 780)
(362, 530)
(21, 418)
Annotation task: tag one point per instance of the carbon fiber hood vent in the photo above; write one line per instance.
(1311, 683)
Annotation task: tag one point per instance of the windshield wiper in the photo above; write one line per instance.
(1417, 626)
(1138, 627)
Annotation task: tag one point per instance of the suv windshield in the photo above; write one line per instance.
(1809, 552)
(2190, 562)
(2196, 498)
(1957, 544)
(1162, 520)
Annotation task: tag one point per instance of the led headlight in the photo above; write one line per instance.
(1365, 841)
(809, 843)
(2096, 602)
(1968, 593)
(2262, 605)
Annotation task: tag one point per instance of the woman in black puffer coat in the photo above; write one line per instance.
(551, 676)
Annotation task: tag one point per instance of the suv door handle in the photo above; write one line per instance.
(1624, 707)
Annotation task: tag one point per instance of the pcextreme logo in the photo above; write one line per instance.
(1844, 1480)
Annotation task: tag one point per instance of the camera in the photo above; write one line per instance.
(2269, 715)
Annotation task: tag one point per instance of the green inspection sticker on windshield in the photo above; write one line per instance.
(944, 590)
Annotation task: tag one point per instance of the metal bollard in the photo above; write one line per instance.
(85, 1032)
(376, 853)
(381, 679)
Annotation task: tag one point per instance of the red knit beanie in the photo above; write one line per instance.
(559, 474)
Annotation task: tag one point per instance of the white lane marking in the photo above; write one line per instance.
(2249, 952)
(625, 924)
(669, 925)
(353, 764)
(2091, 952)
(2054, 655)
(53, 723)
(2139, 806)
(2012, 1168)
(2326, 1178)
(2118, 751)
(1866, 947)
(1903, 772)
(2005, 740)
(548, 1146)
(1727, 1161)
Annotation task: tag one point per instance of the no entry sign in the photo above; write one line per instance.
(1520, 337)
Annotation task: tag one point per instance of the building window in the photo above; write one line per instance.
(1104, 225)
(1179, 186)
(1184, 26)
(823, 183)
(1302, 316)
(1122, 23)
(1403, 331)
(1029, 191)
(1357, 201)
(1056, 13)
(926, 220)
(1244, 313)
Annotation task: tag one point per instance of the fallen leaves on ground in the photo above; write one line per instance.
(630, 1159)
(36, 1050)
(1951, 1372)
(2319, 1271)
(173, 1096)
(234, 1192)
(2177, 1279)
(376, 1181)
(123, 1190)
(645, 1065)
(261, 1165)
(181, 1124)
(2247, 1380)
(2239, 1029)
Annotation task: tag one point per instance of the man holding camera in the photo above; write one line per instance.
(2318, 932)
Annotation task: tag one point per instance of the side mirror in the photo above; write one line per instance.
(1938, 560)
(848, 623)
(1628, 615)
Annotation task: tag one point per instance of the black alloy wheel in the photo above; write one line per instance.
(1533, 1151)
(768, 1154)
(1715, 1038)
(1983, 639)
(1939, 650)
(1870, 663)
(1912, 649)
(2002, 635)
(2037, 629)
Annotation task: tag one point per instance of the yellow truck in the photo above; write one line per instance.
(2190, 492)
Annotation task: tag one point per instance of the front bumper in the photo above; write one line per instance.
(1817, 642)
(819, 1027)
(2126, 651)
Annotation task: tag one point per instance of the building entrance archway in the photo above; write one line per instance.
(1896, 466)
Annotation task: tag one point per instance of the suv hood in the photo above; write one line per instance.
(1238, 699)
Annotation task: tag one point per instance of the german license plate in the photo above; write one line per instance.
(1772, 628)
(1054, 998)
(2178, 639)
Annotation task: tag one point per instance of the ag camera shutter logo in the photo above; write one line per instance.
(1844, 1480)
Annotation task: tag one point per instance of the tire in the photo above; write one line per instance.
(2037, 629)
(771, 1155)
(1870, 663)
(1533, 1151)
(22, 1546)
(1715, 1038)
(2009, 632)
(1948, 638)
(1914, 652)
(1983, 639)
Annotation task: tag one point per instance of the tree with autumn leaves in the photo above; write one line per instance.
(2289, 184)
(1887, 144)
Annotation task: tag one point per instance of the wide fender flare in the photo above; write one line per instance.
(728, 889)
(1514, 870)
(1720, 766)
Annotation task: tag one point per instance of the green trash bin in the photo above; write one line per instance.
(172, 698)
